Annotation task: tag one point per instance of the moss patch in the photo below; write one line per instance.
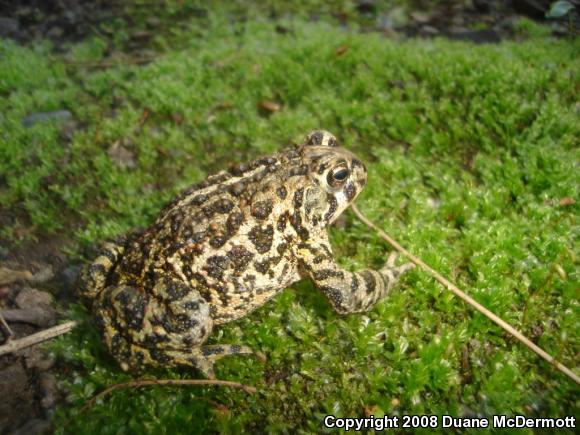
(472, 161)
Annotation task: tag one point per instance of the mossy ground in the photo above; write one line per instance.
(472, 157)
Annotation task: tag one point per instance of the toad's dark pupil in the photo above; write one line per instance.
(341, 175)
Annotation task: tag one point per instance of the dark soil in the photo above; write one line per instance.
(28, 378)
(59, 21)
(66, 21)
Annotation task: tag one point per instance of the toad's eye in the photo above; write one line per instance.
(341, 175)
(337, 176)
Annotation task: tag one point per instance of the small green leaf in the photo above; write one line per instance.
(559, 9)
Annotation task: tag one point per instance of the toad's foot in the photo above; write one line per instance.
(204, 358)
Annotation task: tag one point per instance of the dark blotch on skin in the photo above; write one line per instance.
(315, 138)
(281, 192)
(159, 355)
(217, 178)
(308, 209)
(281, 248)
(188, 341)
(174, 291)
(262, 209)
(332, 142)
(303, 233)
(218, 240)
(370, 281)
(319, 259)
(321, 275)
(281, 224)
(234, 222)
(298, 197)
(191, 305)
(262, 266)
(111, 255)
(293, 154)
(262, 238)
(200, 279)
(355, 163)
(240, 169)
(354, 283)
(176, 220)
(97, 269)
(179, 323)
(100, 323)
(385, 280)
(296, 221)
(186, 259)
(213, 350)
(267, 161)
(220, 288)
(258, 176)
(237, 189)
(139, 357)
(326, 249)
(124, 355)
(117, 343)
(174, 247)
(240, 258)
(349, 191)
(251, 280)
(215, 266)
(333, 205)
(241, 289)
(208, 211)
(133, 265)
(198, 237)
(224, 297)
(333, 294)
(123, 298)
(199, 199)
(223, 205)
(153, 340)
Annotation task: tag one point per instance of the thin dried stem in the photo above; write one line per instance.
(5, 328)
(167, 382)
(39, 337)
(456, 291)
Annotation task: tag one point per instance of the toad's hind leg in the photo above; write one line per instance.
(164, 331)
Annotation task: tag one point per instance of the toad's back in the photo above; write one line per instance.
(229, 237)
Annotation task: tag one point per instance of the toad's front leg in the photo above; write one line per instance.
(348, 292)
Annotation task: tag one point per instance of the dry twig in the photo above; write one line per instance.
(167, 382)
(5, 328)
(39, 337)
(459, 293)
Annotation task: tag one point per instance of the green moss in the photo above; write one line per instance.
(470, 150)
